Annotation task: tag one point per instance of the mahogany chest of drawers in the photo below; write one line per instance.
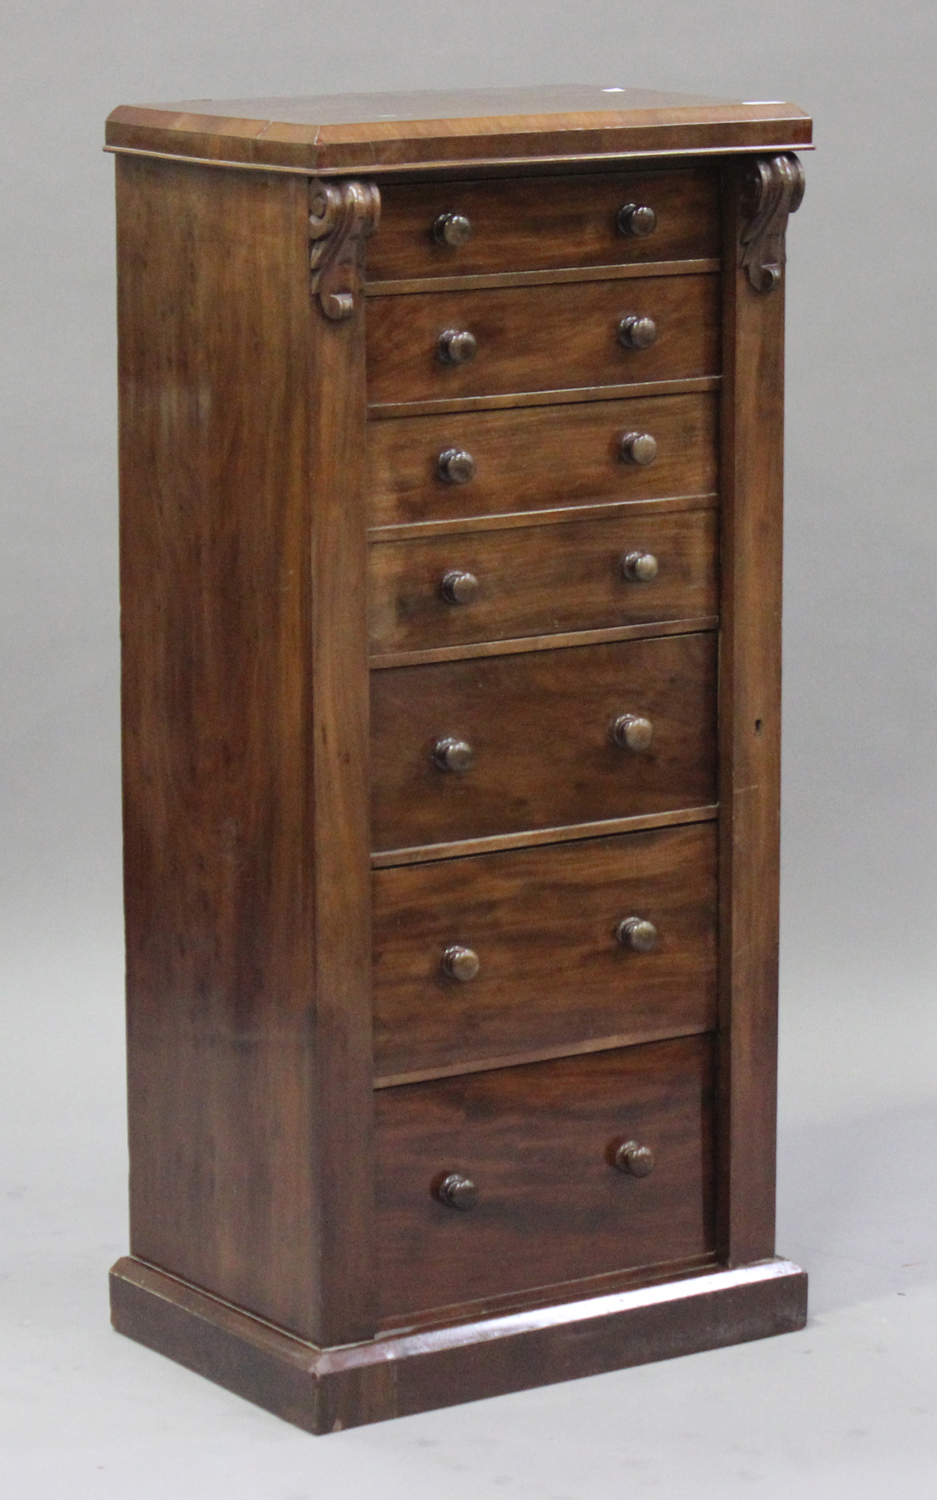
(451, 438)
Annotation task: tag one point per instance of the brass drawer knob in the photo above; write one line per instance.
(456, 346)
(637, 933)
(460, 963)
(638, 448)
(451, 754)
(632, 732)
(456, 1191)
(637, 333)
(639, 567)
(459, 588)
(455, 466)
(638, 1160)
(456, 230)
(637, 219)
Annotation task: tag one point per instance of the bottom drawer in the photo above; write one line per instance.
(539, 1144)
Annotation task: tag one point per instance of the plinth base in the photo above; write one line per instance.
(395, 1375)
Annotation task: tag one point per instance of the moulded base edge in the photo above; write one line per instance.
(394, 1375)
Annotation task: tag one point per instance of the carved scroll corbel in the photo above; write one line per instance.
(773, 191)
(341, 215)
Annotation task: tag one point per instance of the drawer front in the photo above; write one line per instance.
(538, 223)
(538, 1142)
(523, 581)
(552, 970)
(539, 457)
(540, 728)
(541, 338)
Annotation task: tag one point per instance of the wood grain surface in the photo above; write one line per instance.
(530, 224)
(750, 748)
(552, 973)
(540, 726)
(536, 1141)
(407, 1371)
(535, 581)
(542, 337)
(234, 959)
(539, 458)
(218, 881)
(435, 127)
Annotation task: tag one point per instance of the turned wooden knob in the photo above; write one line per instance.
(637, 333)
(636, 1159)
(639, 567)
(460, 963)
(454, 230)
(638, 448)
(451, 754)
(637, 219)
(455, 466)
(456, 346)
(457, 1191)
(458, 588)
(637, 933)
(632, 732)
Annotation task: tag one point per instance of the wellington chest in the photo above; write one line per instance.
(451, 456)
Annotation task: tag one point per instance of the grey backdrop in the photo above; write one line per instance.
(84, 1410)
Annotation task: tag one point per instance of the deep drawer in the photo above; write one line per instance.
(539, 725)
(525, 581)
(538, 223)
(541, 338)
(537, 458)
(553, 973)
(539, 1142)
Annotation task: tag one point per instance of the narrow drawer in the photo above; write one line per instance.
(539, 458)
(539, 1144)
(541, 338)
(497, 585)
(554, 970)
(540, 730)
(542, 223)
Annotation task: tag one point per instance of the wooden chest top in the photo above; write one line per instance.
(439, 128)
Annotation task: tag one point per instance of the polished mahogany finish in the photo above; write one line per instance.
(407, 1370)
(525, 224)
(244, 797)
(517, 582)
(533, 917)
(536, 1141)
(543, 338)
(552, 760)
(450, 524)
(445, 129)
(539, 460)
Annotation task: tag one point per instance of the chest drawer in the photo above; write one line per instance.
(536, 458)
(538, 223)
(539, 1145)
(553, 968)
(541, 338)
(539, 727)
(587, 575)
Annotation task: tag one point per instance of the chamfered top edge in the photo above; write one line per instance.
(358, 130)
